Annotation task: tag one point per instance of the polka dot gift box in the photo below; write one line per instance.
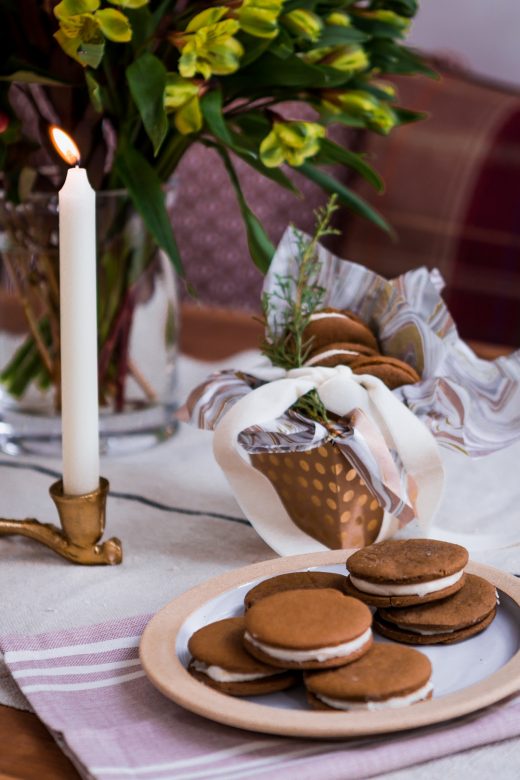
(324, 495)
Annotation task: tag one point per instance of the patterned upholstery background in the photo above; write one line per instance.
(453, 196)
(210, 230)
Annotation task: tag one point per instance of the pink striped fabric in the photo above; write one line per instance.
(89, 689)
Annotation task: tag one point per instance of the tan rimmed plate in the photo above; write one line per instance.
(468, 675)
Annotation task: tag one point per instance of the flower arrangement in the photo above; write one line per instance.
(150, 78)
(137, 82)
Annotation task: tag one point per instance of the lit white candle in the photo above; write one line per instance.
(78, 331)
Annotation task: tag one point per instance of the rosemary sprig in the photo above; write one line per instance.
(298, 297)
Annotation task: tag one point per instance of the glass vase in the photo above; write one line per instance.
(137, 328)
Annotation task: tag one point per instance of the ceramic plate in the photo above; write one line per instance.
(467, 675)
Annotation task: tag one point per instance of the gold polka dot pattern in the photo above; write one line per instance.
(335, 509)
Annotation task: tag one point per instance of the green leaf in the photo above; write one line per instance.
(114, 25)
(211, 105)
(379, 29)
(260, 247)
(332, 117)
(252, 158)
(331, 153)
(267, 71)
(34, 76)
(283, 46)
(94, 91)
(144, 187)
(253, 48)
(403, 7)
(390, 57)
(244, 147)
(405, 116)
(345, 195)
(147, 81)
(334, 35)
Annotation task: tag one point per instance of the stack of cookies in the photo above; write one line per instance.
(339, 337)
(320, 623)
(420, 589)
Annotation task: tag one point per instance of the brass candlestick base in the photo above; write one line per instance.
(82, 526)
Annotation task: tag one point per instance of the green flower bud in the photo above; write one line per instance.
(260, 17)
(376, 114)
(317, 55)
(291, 142)
(348, 59)
(388, 89)
(338, 19)
(304, 24)
(401, 23)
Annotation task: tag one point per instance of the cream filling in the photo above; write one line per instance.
(324, 315)
(390, 704)
(329, 353)
(424, 632)
(219, 674)
(317, 654)
(416, 589)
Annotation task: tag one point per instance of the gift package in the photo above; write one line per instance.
(384, 362)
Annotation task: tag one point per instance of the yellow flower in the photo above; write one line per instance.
(291, 142)
(207, 45)
(181, 97)
(260, 17)
(84, 27)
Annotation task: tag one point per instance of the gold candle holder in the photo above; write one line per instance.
(82, 526)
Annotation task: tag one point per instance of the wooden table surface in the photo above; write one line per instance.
(28, 752)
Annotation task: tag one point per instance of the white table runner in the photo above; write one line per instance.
(179, 524)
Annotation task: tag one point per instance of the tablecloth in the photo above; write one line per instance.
(179, 524)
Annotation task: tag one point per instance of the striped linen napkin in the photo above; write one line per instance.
(89, 689)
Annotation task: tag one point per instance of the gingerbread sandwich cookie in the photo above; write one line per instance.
(330, 326)
(339, 354)
(399, 573)
(308, 629)
(457, 617)
(387, 677)
(392, 371)
(220, 661)
(296, 580)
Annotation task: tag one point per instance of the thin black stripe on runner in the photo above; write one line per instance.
(130, 496)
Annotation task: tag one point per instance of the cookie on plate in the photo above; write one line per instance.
(390, 370)
(296, 580)
(220, 661)
(387, 677)
(308, 629)
(399, 573)
(339, 353)
(457, 617)
(332, 325)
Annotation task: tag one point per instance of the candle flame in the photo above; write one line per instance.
(64, 145)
